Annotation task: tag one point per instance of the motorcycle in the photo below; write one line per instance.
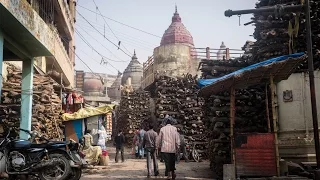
(191, 153)
(69, 149)
(21, 157)
(78, 163)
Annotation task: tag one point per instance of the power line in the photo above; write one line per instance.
(84, 40)
(128, 40)
(95, 60)
(73, 51)
(121, 22)
(103, 46)
(103, 35)
(99, 26)
(119, 42)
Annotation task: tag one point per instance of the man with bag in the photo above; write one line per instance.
(149, 144)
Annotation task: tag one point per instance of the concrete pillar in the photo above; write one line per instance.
(26, 97)
(1, 59)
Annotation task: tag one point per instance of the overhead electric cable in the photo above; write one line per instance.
(124, 35)
(103, 46)
(85, 41)
(103, 35)
(73, 51)
(120, 22)
(119, 42)
(128, 40)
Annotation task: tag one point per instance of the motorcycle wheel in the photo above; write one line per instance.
(75, 174)
(195, 155)
(63, 169)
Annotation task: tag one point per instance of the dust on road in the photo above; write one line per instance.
(135, 169)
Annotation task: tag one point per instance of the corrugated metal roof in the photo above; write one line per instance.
(280, 68)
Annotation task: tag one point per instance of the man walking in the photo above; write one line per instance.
(183, 149)
(149, 143)
(119, 141)
(169, 143)
(141, 135)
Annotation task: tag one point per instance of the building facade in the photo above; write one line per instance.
(41, 33)
(175, 56)
(98, 88)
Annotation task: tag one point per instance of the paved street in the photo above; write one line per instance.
(135, 169)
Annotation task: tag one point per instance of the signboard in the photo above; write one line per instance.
(79, 79)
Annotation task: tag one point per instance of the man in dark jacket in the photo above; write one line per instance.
(149, 143)
(119, 142)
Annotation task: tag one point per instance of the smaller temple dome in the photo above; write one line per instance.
(93, 85)
(134, 71)
(177, 32)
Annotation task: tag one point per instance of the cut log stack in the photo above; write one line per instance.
(178, 97)
(272, 32)
(46, 109)
(250, 110)
(217, 68)
(133, 113)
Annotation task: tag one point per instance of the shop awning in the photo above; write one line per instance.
(87, 112)
(279, 68)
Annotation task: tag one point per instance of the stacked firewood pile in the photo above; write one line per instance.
(178, 98)
(217, 68)
(285, 33)
(250, 117)
(46, 107)
(133, 113)
(250, 109)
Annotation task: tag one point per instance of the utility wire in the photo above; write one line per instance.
(73, 51)
(120, 22)
(103, 35)
(95, 60)
(119, 42)
(128, 40)
(132, 38)
(84, 40)
(103, 46)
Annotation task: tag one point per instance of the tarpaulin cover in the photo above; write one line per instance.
(87, 112)
(205, 82)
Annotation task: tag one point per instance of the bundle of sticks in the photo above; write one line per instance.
(217, 68)
(133, 113)
(46, 104)
(250, 109)
(178, 98)
(285, 33)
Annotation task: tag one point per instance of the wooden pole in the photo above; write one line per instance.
(61, 84)
(267, 109)
(275, 123)
(232, 117)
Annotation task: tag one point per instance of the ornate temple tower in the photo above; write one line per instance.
(221, 54)
(134, 71)
(174, 56)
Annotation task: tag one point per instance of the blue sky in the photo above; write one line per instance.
(203, 18)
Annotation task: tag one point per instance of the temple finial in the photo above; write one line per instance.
(176, 9)
(134, 52)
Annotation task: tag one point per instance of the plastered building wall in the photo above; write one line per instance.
(174, 60)
(295, 117)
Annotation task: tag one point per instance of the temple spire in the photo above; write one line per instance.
(134, 55)
(176, 9)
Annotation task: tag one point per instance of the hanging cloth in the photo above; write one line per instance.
(70, 99)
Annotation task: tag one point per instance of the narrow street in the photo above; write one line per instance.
(136, 169)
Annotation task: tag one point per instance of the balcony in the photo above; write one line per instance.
(25, 27)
